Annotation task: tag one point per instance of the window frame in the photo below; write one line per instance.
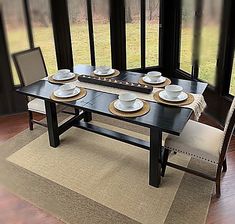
(218, 97)
(225, 52)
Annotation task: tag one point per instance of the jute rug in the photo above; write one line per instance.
(94, 179)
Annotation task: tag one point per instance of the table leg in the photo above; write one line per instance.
(52, 123)
(88, 116)
(155, 155)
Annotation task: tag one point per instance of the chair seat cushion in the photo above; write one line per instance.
(38, 105)
(198, 140)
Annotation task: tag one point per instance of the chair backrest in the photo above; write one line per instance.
(228, 130)
(30, 66)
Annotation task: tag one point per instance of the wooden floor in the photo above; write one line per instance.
(14, 210)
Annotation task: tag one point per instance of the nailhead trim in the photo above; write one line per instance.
(190, 154)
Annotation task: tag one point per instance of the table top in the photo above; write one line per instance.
(166, 118)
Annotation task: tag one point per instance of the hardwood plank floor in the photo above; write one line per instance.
(11, 125)
(15, 210)
(221, 210)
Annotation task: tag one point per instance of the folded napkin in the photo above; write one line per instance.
(197, 106)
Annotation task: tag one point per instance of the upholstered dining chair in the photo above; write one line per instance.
(31, 67)
(202, 142)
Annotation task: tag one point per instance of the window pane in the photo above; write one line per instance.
(188, 8)
(209, 37)
(101, 22)
(42, 32)
(79, 31)
(232, 84)
(210, 40)
(152, 32)
(16, 33)
(133, 33)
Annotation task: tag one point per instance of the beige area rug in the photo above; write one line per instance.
(94, 179)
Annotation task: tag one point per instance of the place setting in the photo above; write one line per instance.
(63, 76)
(173, 95)
(155, 79)
(68, 92)
(105, 72)
(128, 105)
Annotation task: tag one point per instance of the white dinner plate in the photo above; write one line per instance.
(148, 80)
(58, 93)
(183, 96)
(110, 72)
(137, 106)
(58, 77)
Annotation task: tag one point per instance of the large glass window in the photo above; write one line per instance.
(43, 32)
(79, 31)
(210, 39)
(207, 15)
(232, 84)
(152, 32)
(188, 10)
(101, 23)
(132, 8)
(16, 32)
(133, 32)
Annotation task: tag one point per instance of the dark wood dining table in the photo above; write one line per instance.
(161, 118)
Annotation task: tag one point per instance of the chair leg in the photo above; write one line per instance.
(164, 160)
(217, 181)
(224, 166)
(218, 188)
(30, 115)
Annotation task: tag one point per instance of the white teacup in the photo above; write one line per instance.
(63, 73)
(127, 99)
(154, 76)
(173, 91)
(103, 69)
(68, 88)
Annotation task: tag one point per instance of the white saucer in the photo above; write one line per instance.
(137, 106)
(183, 96)
(58, 93)
(148, 80)
(110, 72)
(67, 77)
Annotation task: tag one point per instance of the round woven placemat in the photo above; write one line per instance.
(161, 85)
(51, 80)
(82, 93)
(115, 74)
(188, 101)
(139, 113)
